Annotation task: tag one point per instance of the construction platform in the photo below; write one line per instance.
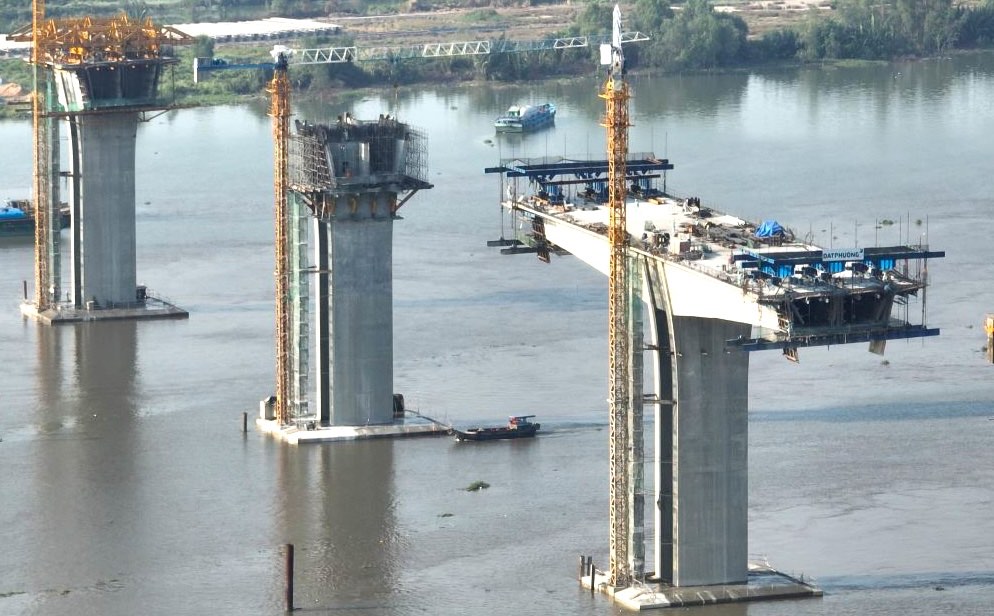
(311, 432)
(764, 583)
(151, 308)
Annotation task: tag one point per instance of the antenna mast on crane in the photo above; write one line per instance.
(626, 556)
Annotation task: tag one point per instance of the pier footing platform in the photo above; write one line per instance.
(311, 433)
(152, 308)
(764, 584)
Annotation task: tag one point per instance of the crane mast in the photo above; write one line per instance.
(42, 163)
(616, 96)
(279, 90)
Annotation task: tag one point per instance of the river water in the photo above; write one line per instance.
(127, 486)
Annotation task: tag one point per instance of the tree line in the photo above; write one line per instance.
(687, 36)
(693, 36)
(696, 37)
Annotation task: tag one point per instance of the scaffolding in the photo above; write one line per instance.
(357, 152)
(329, 168)
(95, 40)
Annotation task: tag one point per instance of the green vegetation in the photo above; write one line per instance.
(476, 486)
(480, 16)
(16, 71)
(697, 37)
(688, 36)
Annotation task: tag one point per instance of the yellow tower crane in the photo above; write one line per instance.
(279, 90)
(624, 426)
(41, 172)
(279, 110)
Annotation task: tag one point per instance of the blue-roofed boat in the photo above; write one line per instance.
(521, 118)
(17, 218)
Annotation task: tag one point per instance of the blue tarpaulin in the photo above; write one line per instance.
(11, 212)
(769, 228)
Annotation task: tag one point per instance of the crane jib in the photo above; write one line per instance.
(343, 55)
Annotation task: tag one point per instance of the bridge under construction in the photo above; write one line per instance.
(707, 288)
(692, 287)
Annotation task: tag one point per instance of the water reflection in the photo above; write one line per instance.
(86, 484)
(338, 508)
(689, 95)
(106, 355)
(52, 415)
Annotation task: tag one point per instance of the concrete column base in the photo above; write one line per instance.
(402, 428)
(67, 313)
(764, 583)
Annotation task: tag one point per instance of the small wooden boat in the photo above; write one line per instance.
(518, 426)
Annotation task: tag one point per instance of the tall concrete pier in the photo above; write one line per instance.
(716, 287)
(105, 75)
(347, 182)
(102, 197)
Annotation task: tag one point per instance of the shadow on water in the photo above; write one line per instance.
(106, 359)
(881, 412)
(937, 580)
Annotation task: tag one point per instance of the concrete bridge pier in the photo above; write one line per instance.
(701, 432)
(354, 293)
(701, 441)
(102, 193)
(102, 102)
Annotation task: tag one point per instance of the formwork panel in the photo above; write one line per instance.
(361, 315)
(710, 464)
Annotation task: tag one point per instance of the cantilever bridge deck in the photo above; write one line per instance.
(796, 293)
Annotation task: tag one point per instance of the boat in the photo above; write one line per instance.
(521, 118)
(17, 218)
(518, 426)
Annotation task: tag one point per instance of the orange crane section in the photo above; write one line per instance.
(279, 90)
(42, 163)
(616, 121)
